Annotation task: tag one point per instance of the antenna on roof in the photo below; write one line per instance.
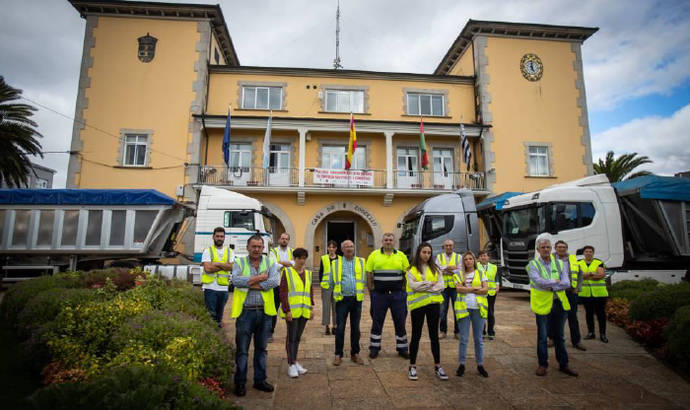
(336, 62)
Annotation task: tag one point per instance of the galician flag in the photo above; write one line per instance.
(352, 145)
(422, 146)
(267, 142)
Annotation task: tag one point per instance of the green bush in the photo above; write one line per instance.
(129, 387)
(662, 302)
(188, 300)
(631, 289)
(678, 336)
(175, 341)
(46, 305)
(19, 294)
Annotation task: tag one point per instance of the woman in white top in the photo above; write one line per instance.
(424, 297)
(471, 306)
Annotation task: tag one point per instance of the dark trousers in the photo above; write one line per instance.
(491, 319)
(250, 323)
(215, 303)
(396, 301)
(276, 300)
(348, 306)
(573, 323)
(294, 333)
(556, 322)
(449, 296)
(431, 313)
(595, 306)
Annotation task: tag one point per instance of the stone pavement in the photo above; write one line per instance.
(619, 374)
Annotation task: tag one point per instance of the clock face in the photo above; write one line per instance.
(531, 67)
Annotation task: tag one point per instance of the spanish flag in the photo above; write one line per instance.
(352, 146)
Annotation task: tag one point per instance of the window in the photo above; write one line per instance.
(586, 213)
(135, 150)
(239, 219)
(538, 161)
(345, 101)
(41, 183)
(240, 156)
(410, 226)
(45, 228)
(262, 98)
(565, 216)
(333, 157)
(524, 222)
(407, 162)
(436, 225)
(425, 104)
(93, 228)
(216, 56)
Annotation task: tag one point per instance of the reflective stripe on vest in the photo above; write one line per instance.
(574, 270)
(442, 261)
(490, 273)
(240, 294)
(358, 266)
(326, 263)
(541, 301)
(592, 288)
(460, 306)
(417, 299)
(221, 276)
(299, 296)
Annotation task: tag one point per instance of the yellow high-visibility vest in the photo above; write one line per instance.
(416, 299)
(490, 272)
(222, 276)
(299, 293)
(442, 261)
(326, 263)
(460, 306)
(337, 268)
(276, 255)
(541, 301)
(592, 288)
(240, 294)
(574, 270)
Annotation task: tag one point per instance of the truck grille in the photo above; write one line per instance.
(515, 261)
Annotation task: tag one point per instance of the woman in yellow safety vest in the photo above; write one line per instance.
(593, 293)
(471, 307)
(424, 297)
(296, 301)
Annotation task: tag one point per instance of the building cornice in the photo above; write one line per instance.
(182, 11)
(337, 125)
(504, 29)
(359, 74)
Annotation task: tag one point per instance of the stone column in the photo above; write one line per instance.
(389, 159)
(302, 150)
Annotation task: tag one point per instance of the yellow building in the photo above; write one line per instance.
(157, 81)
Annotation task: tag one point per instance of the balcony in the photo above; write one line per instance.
(254, 178)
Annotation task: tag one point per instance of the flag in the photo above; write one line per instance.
(422, 146)
(352, 145)
(466, 153)
(226, 140)
(267, 142)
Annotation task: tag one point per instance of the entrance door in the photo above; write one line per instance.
(340, 231)
(279, 165)
(407, 168)
(443, 168)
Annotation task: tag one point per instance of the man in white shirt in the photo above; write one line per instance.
(281, 255)
(217, 263)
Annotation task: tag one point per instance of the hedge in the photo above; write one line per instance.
(631, 289)
(661, 302)
(678, 335)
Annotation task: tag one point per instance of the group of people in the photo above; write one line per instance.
(280, 284)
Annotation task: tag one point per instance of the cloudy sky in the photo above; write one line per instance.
(637, 67)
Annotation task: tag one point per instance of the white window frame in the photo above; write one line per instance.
(41, 183)
(126, 143)
(360, 156)
(544, 156)
(431, 105)
(340, 93)
(254, 89)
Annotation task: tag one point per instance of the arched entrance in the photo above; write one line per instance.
(281, 222)
(340, 221)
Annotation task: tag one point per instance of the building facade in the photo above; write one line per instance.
(39, 177)
(157, 81)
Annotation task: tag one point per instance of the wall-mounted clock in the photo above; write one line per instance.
(531, 67)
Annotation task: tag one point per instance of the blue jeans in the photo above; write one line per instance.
(258, 324)
(449, 296)
(477, 328)
(554, 324)
(215, 303)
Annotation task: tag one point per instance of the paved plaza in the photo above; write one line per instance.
(620, 374)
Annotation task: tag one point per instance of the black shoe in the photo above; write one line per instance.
(604, 338)
(460, 371)
(580, 346)
(264, 386)
(482, 371)
(240, 390)
(404, 355)
(373, 354)
(589, 336)
(328, 331)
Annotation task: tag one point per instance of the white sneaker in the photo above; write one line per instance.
(300, 369)
(441, 374)
(412, 373)
(292, 371)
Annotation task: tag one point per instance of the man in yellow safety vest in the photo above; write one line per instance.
(548, 282)
(216, 262)
(491, 272)
(570, 264)
(449, 262)
(282, 255)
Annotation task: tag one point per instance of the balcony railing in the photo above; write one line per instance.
(339, 178)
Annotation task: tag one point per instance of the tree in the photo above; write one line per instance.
(618, 169)
(18, 133)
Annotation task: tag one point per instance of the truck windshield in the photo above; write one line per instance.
(410, 227)
(524, 222)
(239, 219)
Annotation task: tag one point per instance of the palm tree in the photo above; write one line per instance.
(618, 169)
(18, 135)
